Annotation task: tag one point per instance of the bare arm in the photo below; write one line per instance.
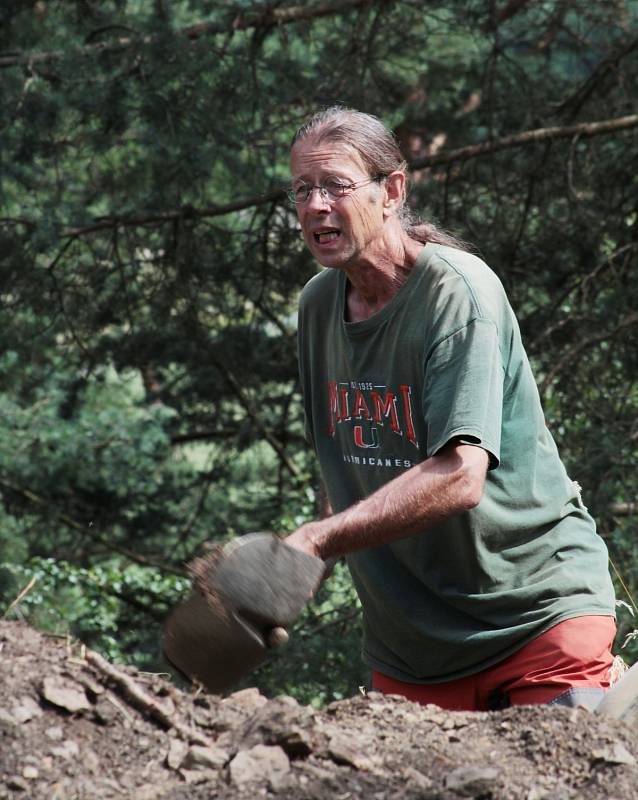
(442, 486)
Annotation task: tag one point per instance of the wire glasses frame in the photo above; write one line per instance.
(331, 189)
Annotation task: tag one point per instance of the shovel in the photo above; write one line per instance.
(241, 592)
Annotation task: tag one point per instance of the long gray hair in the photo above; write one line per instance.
(381, 155)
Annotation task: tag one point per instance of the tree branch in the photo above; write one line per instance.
(582, 129)
(268, 18)
(111, 546)
(606, 67)
(624, 509)
(222, 433)
(137, 697)
(252, 413)
(570, 356)
(188, 212)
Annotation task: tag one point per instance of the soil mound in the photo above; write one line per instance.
(75, 727)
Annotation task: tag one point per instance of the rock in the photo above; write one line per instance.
(260, 764)
(247, 698)
(471, 781)
(26, 709)
(7, 720)
(199, 757)
(55, 733)
(90, 761)
(68, 749)
(150, 791)
(198, 775)
(17, 783)
(342, 750)
(106, 711)
(282, 722)
(65, 694)
(177, 750)
(416, 779)
(30, 773)
(614, 754)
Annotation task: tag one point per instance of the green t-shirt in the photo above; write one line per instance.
(444, 360)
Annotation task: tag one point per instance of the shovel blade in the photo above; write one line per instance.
(218, 634)
(210, 648)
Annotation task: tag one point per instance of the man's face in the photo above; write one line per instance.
(337, 232)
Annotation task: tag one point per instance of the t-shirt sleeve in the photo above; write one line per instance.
(463, 389)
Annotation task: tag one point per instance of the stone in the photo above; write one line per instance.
(7, 720)
(26, 709)
(417, 779)
(250, 698)
(30, 773)
(198, 775)
(615, 754)
(65, 694)
(55, 733)
(282, 722)
(177, 750)
(68, 749)
(200, 757)
(342, 750)
(150, 791)
(260, 764)
(471, 781)
(17, 783)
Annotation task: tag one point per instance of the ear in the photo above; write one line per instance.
(394, 193)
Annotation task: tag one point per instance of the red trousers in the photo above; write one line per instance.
(573, 654)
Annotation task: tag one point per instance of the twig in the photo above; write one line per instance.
(624, 509)
(143, 701)
(23, 593)
(134, 220)
(623, 584)
(255, 417)
(249, 19)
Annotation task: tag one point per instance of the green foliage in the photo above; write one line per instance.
(99, 605)
(149, 269)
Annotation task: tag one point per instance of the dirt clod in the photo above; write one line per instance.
(123, 741)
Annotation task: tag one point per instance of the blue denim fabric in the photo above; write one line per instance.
(587, 696)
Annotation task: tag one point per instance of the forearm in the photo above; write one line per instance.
(440, 487)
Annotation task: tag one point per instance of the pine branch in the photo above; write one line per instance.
(583, 130)
(245, 20)
(248, 407)
(624, 509)
(188, 212)
(571, 356)
(42, 502)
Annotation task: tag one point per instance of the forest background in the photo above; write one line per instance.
(150, 265)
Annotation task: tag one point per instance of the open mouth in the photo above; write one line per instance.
(322, 237)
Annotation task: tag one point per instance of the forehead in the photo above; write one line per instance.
(312, 157)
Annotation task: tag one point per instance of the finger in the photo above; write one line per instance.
(277, 637)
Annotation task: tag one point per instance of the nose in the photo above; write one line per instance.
(318, 199)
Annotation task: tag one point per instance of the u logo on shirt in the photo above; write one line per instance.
(358, 437)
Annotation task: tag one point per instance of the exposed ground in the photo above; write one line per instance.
(74, 727)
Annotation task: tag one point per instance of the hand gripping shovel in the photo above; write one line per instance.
(241, 592)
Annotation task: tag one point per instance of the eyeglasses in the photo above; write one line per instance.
(331, 189)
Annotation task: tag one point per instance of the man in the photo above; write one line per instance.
(482, 578)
